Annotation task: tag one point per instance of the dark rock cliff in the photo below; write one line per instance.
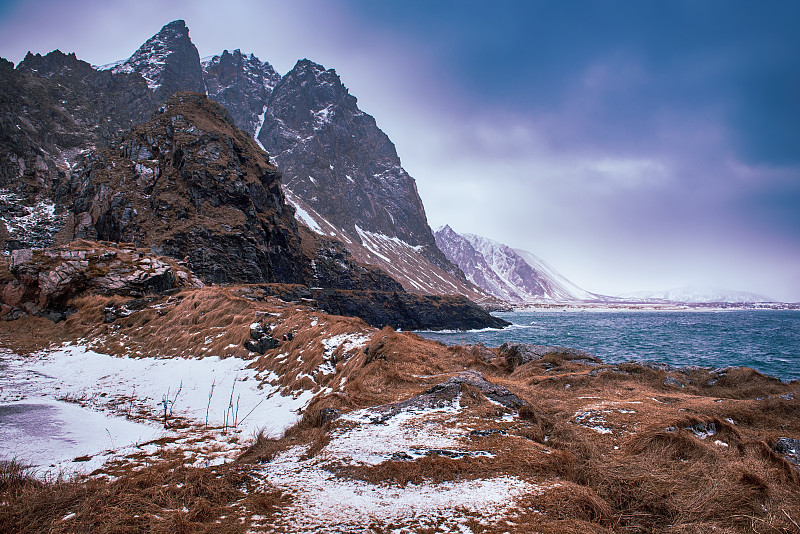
(188, 183)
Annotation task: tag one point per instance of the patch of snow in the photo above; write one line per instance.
(320, 497)
(303, 216)
(45, 432)
(348, 342)
(259, 126)
(322, 117)
(103, 390)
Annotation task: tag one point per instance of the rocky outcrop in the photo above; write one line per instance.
(41, 282)
(397, 309)
(446, 393)
(408, 311)
(189, 184)
(243, 84)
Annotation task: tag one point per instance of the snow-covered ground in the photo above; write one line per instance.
(366, 437)
(71, 402)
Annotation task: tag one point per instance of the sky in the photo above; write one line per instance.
(632, 145)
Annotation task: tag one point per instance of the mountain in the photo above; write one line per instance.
(340, 170)
(187, 184)
(243, 84)
(513, 275)
(697, 294)
(64, 120)
(168, 62)
(343, 175)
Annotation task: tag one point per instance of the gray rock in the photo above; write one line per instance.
(517, 354)
(444, 394)
(789, 448)
(261, 345)
(671, 382)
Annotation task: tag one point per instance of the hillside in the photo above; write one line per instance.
(338, 425)
(512, 275)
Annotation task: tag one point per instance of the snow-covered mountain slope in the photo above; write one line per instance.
(698, 294)
(516, 276)
(401, 260)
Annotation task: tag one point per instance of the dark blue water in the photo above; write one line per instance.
(766, 340)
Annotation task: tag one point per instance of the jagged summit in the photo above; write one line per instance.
(168, 61)
(243, 84)
(343, 175)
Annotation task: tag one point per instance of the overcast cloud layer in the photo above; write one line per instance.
(632, 145)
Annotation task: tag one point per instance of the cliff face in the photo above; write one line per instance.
(338, 160)
(53, 109)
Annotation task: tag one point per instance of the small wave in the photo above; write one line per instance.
(475, 331)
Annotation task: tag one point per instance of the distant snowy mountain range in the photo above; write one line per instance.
(519, 277)
(697, 294)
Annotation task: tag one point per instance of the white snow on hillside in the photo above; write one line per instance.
(516, 276)
(59, 404)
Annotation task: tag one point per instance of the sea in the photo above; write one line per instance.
(765, 340)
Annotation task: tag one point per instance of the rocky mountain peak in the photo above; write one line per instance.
(53, 63)
(168, 61)
(243, 84)
(343, 175)
(336, 158)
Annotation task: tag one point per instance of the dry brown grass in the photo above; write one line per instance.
(649, 473)
(166, 497)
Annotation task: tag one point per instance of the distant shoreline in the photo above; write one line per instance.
(654, 307)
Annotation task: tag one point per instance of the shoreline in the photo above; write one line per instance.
(652, 307)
